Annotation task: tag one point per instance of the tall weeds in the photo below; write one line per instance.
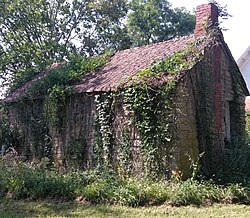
(20, 180)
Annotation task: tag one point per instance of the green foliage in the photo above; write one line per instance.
(55, 104)
(237, 193)
(8, 134)
(153, 21)
(75, 153)
(152, 117)
(237, 157)
(176, 64)
(235, 166)
(237, 161)
(125, 153)
(104, 141)
(56, 84)
(196, 192)
(150, 98)
(37, 33)
(66, 73)
(20, 181)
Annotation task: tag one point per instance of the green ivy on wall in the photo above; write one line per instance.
(104, 140)
(54, 89)
(149, 97)
(152, 116)
(56, 85)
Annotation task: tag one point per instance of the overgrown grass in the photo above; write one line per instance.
(235, 168)
(21, 181)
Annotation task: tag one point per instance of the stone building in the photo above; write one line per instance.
(149, 109)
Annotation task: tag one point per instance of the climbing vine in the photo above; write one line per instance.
(53, 87)
(56, 85)
(104, 140)
(152, 117)
(125, 158)
(8, 134)
(150, 98)
(55, 104)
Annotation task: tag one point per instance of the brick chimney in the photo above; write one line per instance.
(206, 16)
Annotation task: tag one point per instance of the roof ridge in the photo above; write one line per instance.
(157, 43)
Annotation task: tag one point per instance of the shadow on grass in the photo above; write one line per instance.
(27, 208)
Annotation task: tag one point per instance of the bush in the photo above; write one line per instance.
(194, 192)
(22, 180)
(236, 193)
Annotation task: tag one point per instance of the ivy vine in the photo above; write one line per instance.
(150, 98)
(104, 140)
(56, 86)
(152, 116)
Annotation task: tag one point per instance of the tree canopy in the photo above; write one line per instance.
(36, 33)
(154, 21)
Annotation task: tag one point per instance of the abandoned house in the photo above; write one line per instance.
(148, 110)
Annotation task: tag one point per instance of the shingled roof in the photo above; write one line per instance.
(127, 63)
(121, 66)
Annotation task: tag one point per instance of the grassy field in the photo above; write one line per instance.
(10, 208)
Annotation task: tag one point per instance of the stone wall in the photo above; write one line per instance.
(208, 88)
(29, 128)
(186, 140)
(73, 138)
(199, 107)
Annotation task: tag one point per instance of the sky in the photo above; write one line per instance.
(238, 34)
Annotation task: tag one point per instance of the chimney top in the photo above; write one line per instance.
(206, 16)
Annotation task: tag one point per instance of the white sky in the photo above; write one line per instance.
(238, 34)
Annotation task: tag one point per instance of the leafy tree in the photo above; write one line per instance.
(154, 21)
(108, 29)
(36, 33)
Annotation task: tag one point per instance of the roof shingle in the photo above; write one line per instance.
(121, 66)
(126, 63)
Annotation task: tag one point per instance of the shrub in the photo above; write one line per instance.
(236, 193)
(22, 180)
(194, 192)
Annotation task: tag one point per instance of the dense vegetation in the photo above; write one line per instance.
(21, 181)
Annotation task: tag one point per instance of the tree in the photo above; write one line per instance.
(36, 33)
(108, 29)
(153, 21)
